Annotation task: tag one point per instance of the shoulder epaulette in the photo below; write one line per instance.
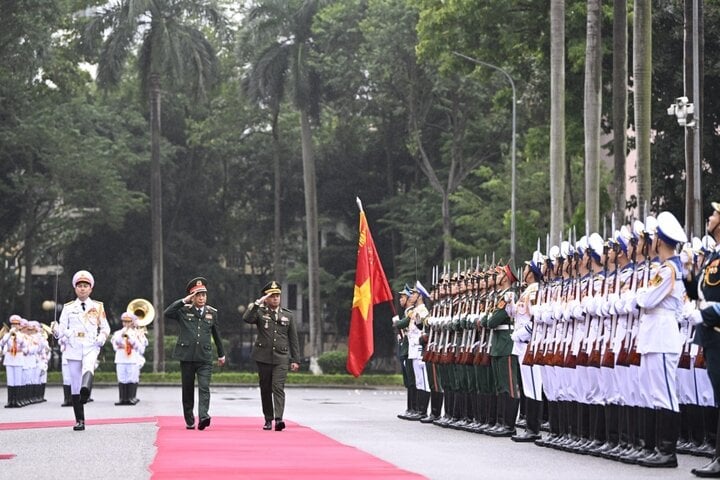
(285, 309)
(68, 303)
(211, 308)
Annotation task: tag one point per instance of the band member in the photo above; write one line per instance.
(129, 344)
(12, 345)
(198, 326)
(85, 329)
(275, 349)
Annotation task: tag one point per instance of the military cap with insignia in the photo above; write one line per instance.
(271, 287)
(83, 276)
(196, 285)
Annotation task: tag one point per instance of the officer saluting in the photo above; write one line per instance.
(705, 286)
(198, 324)
(275, 349)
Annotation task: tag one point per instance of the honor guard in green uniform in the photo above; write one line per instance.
(275, 350)
(198, 324)
(504, 365)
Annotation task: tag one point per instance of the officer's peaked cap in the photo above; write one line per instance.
(197, 285)
(271, 287)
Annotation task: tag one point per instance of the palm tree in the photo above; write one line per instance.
(172, 49)
(280, 31)
(557, 116)
(642, 75)
(619, 105)
(593, 96)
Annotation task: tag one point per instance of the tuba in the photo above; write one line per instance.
(143, 310)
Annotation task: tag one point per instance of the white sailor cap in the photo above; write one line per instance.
(669, 229)
(566, 249)
(638, 228)
(596, 245)
(623, 238)
(554, 253)
(581, 245)
(650, 225)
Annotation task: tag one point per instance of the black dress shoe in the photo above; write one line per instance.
(659, 460)
(279, 425)
(526, 436)
(205, 422)
(190, 427)
(80, 425)
(268, 425)
(711, 470)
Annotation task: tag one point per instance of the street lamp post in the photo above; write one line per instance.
(512, 165)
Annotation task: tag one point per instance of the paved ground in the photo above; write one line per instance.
(362, 418)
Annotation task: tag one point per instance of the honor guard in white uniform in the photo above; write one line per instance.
(659, 341)
(84, 326)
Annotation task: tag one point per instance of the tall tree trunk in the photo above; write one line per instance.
(313, 244)
(619, 106)
(593, 95)
(29, 251)
(557, 116)
(156, 221)
(279, 271)
(642, 74)
(447, 227)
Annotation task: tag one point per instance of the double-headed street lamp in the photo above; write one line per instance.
(512, 181)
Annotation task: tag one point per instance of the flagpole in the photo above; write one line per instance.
(359, 203)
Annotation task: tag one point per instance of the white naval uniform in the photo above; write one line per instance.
(659, 338)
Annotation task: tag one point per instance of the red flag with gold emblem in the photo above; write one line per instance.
(371, 288)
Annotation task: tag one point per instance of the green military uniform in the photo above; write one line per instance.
(505, 366)
(194, 350)
(275, 348)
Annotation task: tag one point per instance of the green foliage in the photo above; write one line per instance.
(333, 362)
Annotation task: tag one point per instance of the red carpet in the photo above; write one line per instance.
(235, 447)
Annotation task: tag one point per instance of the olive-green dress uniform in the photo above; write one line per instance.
(504, 366)
(275, 348)
(194, 350)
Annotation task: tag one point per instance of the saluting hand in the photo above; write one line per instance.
(262, 299)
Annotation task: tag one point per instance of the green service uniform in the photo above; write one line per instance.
(505, 367)
(275, 348)
(194, 350)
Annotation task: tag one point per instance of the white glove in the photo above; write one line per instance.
(696, 317)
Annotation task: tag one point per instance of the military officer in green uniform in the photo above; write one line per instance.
(198, 324)
(275, 349)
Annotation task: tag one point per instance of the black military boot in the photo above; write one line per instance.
(86, 387)
(533, 419)
(668, 431)
(132, 394)
(436, 399)
(711, 469)
(67, 397)
(122, 394)
(79, 410)
(448, 402)
(423, 399)
(708, 416)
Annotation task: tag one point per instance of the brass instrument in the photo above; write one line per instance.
(143, 310)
